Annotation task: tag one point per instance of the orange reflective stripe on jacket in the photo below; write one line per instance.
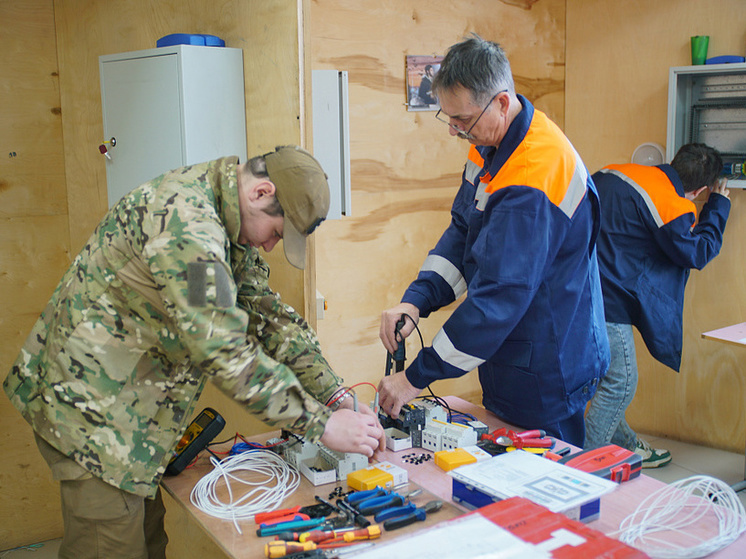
(660, 196)
(544, 160)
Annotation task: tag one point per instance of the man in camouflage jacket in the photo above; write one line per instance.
(171, 291)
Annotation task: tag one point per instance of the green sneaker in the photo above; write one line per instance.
(652, 457)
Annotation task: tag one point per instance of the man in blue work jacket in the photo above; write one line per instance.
(650, 238)
(522, 245)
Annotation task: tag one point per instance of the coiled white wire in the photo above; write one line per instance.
(270, 477)
(687, 511)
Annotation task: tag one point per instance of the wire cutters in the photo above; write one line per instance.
(394, 512)
(293, 513)
(533, 438)
(419, 514)
(378, 491)
(377, 504)
(296, 526)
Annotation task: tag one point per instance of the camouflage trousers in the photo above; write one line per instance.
(102, 521)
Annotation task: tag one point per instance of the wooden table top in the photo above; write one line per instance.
(615, 506)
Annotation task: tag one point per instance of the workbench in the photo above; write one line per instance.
(615, 506)
(734, 335)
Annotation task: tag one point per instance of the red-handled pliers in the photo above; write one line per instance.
(533, 438)
(281, 515)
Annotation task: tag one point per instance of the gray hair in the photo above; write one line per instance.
(477, 65)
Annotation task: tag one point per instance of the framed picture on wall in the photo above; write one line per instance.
(420, 73)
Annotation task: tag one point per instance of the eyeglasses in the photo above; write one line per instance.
(466, 135)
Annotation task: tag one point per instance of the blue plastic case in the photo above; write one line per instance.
(190, 39)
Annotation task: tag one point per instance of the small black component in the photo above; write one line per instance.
(491, 448)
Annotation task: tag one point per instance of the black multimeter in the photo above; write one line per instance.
(205, 427)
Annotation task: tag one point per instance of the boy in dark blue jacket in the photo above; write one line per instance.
(650, 238)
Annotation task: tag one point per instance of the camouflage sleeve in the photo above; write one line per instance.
(189, 264)
(284, 334)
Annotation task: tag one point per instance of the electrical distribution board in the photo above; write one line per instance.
(707, 104)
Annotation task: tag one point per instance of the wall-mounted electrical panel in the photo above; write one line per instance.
(331, 136)
(707, 104)
(168, 107)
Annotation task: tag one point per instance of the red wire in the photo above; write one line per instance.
(339, 397)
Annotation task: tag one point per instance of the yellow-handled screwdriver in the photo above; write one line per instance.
(318, 536)
(281, 548)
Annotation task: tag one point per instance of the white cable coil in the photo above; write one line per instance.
(699, 515)
(271, 481)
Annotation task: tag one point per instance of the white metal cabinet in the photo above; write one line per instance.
(168, 107)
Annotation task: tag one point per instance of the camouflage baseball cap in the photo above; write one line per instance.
(303, 192)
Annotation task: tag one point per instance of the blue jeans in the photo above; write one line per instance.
(604, 421)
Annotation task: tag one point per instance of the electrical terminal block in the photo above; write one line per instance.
(457, 435)
(433, 410)
(411, 420)
(479, 427)
(432, 436)
(321, 464)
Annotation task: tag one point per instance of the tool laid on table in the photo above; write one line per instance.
(346, 534)
(331, 553)
(294, 513)
(343, 519)
(294, 526)
(359, 519)
(200, 432)
(394, 512)
(534, 438)
(357, 496)
(283, 549)
(610, 462)
(417, 515)
(375, 505)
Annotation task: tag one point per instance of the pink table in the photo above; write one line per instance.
(735, 335)
(615, 506)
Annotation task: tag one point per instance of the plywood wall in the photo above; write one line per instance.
(34, 244)
(405, 167)
(616, 92)
(53, 179)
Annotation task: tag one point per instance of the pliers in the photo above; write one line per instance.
(378, 491)
(375, 505)
(297, 526)
(534, 438)
(293, 514)
(418, 514)
(395, 512)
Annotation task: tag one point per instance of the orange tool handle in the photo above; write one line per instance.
(281, 549)
(264, 517)
(369, 533)
(317, 536)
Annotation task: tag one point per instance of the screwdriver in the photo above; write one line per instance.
(318, 536)
(320, 552)
(281, 549)
(369, 533)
